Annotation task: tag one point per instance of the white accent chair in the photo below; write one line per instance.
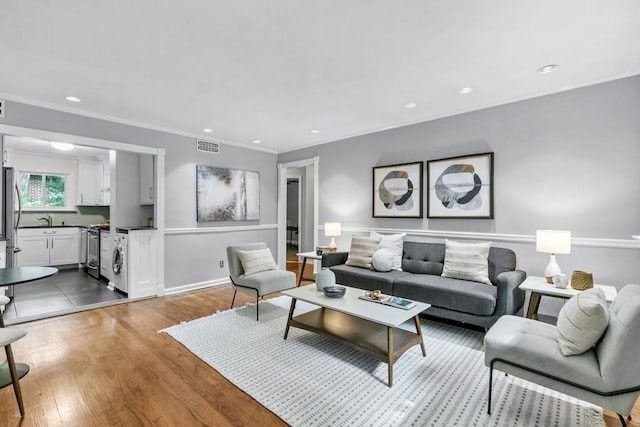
(607, 375)
(263, 283)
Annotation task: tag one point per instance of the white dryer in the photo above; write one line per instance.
(120, 261)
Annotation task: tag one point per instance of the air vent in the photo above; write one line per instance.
(2, 104)
(208, 146)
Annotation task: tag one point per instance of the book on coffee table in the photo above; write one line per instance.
(390, 300)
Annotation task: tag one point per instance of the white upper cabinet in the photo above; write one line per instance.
(147, 187)
(88, 183)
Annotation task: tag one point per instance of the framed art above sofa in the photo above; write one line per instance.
(460, 187)
(397, 191)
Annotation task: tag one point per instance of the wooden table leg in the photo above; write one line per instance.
(291, 309)
(304, 263)
(416, 320)
(534, 303)
(390, 355)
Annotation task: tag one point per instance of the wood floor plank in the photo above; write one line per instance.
(111, 367)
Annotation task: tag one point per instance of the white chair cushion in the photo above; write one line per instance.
(582, 321)
(394, 243)
(257, 261)
(467, 261)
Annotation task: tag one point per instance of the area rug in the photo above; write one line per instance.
(310, 380)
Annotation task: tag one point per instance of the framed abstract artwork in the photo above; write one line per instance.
(460, 187)
(397, 191)
(224, 194)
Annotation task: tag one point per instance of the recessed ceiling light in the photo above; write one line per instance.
(256, 141)
(315, 130)
(207, 130)
(410, 105)
(72, 98)
(548, 69)
(465, 90)
(62, 146)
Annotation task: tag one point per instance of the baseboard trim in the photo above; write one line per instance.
(195, 286)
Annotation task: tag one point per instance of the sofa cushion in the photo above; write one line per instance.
(366, 279)
(382, 260)
(393, 243)
(467, 261)
(582, 321)
(362, 250)
(452, 294)
(423, 258)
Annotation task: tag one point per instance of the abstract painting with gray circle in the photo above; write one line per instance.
(461, 187)
(227, 194)
(397, 191)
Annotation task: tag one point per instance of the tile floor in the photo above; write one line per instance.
(68, 289)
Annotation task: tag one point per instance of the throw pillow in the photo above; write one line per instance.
(382, 260)
(362, 250)
(257, 261)
(582, 321)
(394, 243)
(467, 261)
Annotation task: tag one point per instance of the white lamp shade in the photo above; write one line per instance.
(553, 241)
(332, 229)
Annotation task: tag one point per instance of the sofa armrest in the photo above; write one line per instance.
(330, 259)
(510, 296)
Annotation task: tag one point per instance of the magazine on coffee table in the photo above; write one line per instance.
(390, 300)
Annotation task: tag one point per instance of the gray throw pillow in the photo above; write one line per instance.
(467, 261)
(582, 321)
(257, 261)
(362, 250)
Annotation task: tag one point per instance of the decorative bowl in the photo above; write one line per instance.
(334, 291)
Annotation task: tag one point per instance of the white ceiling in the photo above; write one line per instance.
(273, 70)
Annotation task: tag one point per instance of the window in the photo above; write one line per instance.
(39, 190)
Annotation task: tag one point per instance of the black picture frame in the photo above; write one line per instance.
(460, 187)
(397, 191)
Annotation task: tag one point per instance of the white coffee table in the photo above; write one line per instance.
(365, 325)
(539, 287)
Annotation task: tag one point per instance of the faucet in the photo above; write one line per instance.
(47, 218)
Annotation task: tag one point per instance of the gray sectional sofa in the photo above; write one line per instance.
(420, 280)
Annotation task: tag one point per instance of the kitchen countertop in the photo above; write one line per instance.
(126, 230)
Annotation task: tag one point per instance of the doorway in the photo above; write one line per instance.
(294, 217)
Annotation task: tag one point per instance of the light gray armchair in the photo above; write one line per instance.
(607, 375)
(262, 283)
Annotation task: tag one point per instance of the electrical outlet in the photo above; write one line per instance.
(221, 264)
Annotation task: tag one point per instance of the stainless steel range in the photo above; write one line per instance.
(93, 249)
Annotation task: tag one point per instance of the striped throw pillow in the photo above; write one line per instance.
(467, 261)
(257, 261)
(362, 250)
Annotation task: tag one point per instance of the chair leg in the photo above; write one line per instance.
(624, 424)
(257, 306)
(490, 386)
(234, 298)
(14, 377)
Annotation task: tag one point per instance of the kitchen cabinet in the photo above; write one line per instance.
(3, 264)
(94, 182)
(147, 187)
(50, 246)
(105, 255)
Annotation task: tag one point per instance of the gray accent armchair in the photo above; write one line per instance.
(608, 375)
(263, 283)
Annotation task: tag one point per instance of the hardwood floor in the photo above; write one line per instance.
(111, 367)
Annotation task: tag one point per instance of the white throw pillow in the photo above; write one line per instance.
(382, 260)
(362, 250)
(257, 261)
(394, 243)
(582, 321)
(467, 261)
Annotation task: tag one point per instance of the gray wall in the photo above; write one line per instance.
(564, 161)
(191, 256)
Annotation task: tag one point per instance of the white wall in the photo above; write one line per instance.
(564, 161)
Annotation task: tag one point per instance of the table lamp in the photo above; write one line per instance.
(333, 230)
(553, 242)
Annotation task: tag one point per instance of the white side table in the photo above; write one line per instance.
(539, 287)
(305, 256)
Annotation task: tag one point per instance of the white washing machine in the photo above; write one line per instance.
(120, 261)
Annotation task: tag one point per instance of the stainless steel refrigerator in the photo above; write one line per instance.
(11, 212)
